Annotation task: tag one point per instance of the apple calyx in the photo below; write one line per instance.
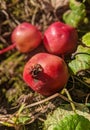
(35, 70)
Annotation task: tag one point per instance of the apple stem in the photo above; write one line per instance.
(35, 70)
(7, 49)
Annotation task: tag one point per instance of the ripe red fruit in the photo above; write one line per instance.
(46, 73)
(25, 37)
(60, 39)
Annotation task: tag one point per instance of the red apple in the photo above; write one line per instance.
(46, 73)
(25, 37)
(60, 39)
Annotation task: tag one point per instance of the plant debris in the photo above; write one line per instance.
(20, 107)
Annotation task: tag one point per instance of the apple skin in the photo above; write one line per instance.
(52, 77)
(60, 39)
(26, 36)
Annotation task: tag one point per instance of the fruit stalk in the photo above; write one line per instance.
(7, 49)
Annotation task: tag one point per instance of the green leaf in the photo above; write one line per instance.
(81, 61)
(23, 119)
(76, 14)
(86, 39)
(73, 122)
(63, 118)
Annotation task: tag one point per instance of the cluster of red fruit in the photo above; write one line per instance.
(45, 72)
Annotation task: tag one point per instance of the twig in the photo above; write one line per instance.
(42, 101)
(34, 15)
(73, 81)
(88, 95)
(82, 82)
(49, 98)
(79, 53)
(69, 97)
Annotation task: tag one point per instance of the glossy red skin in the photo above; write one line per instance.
(26, 37)
(53, 77)
(60, 39)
